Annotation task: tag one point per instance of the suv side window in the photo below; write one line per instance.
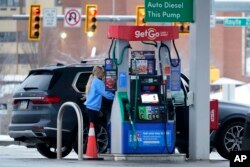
(80, 81)
(180, 97)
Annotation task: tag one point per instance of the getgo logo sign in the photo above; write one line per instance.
(150, 33)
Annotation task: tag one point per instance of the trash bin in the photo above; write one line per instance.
(246, 138)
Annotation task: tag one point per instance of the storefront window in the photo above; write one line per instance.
(9, 3)
(3, 3)
(7, 36)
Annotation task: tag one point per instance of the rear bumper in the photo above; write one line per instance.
(26, 133)
(45, 132)
(37, 134)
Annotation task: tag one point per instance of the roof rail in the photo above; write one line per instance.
(51, 65)
(59, 64)
(97, 59)
(84, 65)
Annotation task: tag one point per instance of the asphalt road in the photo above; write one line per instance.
(20, 156)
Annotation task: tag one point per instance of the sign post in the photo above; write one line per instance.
(199, 129)
(212, 14)
(169, 10)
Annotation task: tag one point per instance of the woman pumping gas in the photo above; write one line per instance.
(95, 90)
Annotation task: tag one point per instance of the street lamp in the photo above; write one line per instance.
(90, 34)
(63, 35)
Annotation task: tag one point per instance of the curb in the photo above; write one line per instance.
(6, 140)
(145, 157)
(6, 143)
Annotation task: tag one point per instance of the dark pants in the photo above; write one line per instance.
(106, 108)
(94, 118)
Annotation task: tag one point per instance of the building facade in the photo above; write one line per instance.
(229, 45)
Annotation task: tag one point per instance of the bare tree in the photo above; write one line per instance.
(50, 51)
(30, 49)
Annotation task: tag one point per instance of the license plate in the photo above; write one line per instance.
(23, 105)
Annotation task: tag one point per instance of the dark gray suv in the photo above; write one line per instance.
(37, 101)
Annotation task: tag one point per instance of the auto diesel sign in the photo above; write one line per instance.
(169, 10)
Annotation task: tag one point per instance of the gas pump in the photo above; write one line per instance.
(145, 97)
(142, 118)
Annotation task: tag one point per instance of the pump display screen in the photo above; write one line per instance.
(149, 98)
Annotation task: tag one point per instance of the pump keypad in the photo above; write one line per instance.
(149, 112)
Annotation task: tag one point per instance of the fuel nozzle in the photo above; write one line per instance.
(171, 111)
(128, 107)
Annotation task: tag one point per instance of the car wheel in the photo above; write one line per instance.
(101, 137)
(230, 139)
(50, 151)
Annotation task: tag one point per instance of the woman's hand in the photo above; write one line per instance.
(83, 97)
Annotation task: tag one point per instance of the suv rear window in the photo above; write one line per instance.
(38, 80)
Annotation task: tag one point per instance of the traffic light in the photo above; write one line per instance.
(90, 21)
(34, 22)
(184, 27)
(140, 16)
(214, 74)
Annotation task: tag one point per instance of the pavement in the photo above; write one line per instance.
(12, 154)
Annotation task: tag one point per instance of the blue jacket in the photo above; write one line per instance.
(94, 96)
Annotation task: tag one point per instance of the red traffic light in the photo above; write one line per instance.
(140, 16)
(93, 11)
(91, 21)
(34, 22)
(36, 10)
(184, 27)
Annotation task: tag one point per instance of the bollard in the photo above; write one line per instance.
(59, 129)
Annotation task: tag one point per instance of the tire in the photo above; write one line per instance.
(230, 139)
(50, 151)
(101, 137)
